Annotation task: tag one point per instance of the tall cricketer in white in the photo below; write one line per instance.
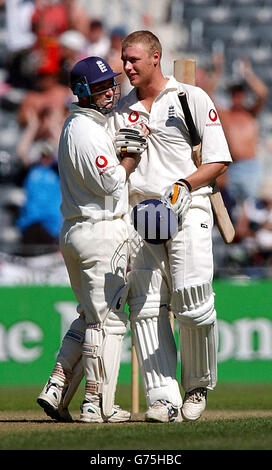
(178, 274)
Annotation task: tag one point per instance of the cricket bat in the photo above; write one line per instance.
(185, 72)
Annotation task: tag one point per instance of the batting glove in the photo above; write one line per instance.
(179, 198)
(129, 140)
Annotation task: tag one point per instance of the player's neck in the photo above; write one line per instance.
(148, 93)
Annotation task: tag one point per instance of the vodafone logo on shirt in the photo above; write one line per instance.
(213, 117)
(101, 161)
(134, 116)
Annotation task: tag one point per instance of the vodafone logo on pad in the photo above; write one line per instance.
(101, 161)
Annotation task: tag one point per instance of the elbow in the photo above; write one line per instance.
(223, 168)
(113, 190)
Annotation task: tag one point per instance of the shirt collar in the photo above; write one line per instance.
(134, 104)
(92, 113)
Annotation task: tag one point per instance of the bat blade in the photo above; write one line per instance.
(221, 215)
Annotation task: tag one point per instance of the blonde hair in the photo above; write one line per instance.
(147, 38)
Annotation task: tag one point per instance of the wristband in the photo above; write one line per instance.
(187, 184)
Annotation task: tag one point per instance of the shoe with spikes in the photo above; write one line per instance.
(194, 404)
(50, 399)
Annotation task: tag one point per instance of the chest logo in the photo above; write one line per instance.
(171, 112)
(134, 116)
(101, 161)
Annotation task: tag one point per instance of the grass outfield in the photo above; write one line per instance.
(237, 417)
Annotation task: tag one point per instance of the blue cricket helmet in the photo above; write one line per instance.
(87, 72)
(154, 221)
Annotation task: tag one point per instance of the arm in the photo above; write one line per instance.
(28, 136)
(206, 174)
(130, 163)
(96, 161)
(257, 86)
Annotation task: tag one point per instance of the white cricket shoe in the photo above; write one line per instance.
(91, 413)
(194, 404)
(50, 399)
(119, 415)
(164, 412)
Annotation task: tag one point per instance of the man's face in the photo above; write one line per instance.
(138, 64)
(238, 99)
(104, 94)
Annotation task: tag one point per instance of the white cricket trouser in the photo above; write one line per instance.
(95, 255)
(185, 265)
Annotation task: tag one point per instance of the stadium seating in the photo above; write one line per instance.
(243, 26)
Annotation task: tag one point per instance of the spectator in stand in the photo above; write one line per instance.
(114, 57)
(209, 77)
(48, 97)
(264, 232)
(52, 17)
(40, 219)
(72, 49)
(50, 20)
(240, 124)
(41, 115)
(254, 226)
(19, 40)
(46, 126)
(98, 40)
(78, 17)
(209, 74)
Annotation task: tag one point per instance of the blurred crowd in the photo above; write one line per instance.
(44, 39)
(247, 186)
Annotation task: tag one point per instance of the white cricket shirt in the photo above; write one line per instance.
(93, 183)
(169, 155)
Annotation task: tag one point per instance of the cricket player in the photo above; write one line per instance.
(176, 275)
(93, 242)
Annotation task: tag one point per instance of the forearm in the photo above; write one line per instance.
(24, 144)
(130, 163)
(205, 174)
(257, 86)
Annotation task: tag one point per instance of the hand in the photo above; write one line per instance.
(179, 198)
(129, 140)
(143, 127)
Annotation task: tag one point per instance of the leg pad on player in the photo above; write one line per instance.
(198, 353)
(77, 376)
(153, 337)
(194, 306)
(157, 355)
(115, 323)
(101, 357)
(70, 352)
